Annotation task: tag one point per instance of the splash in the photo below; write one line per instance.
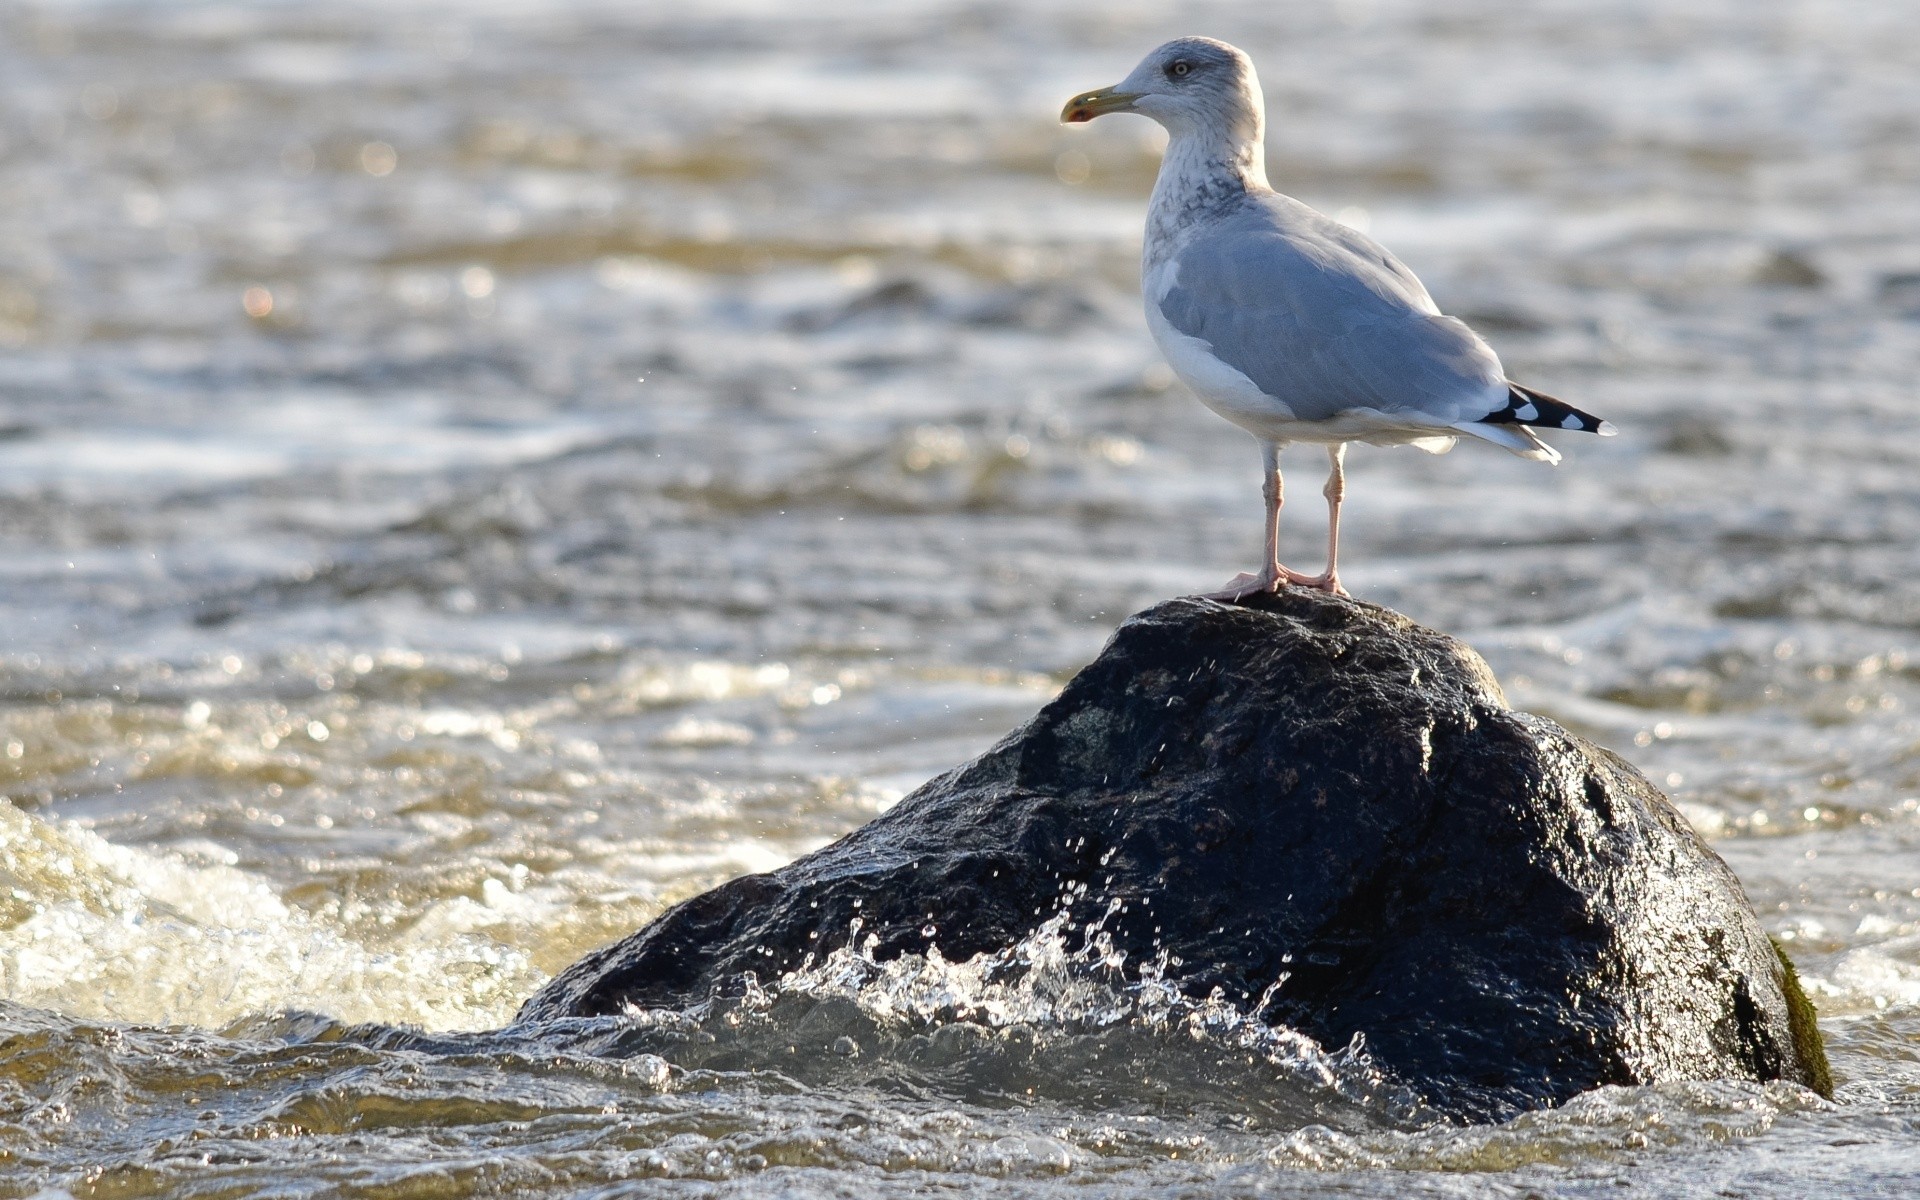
(1058, 1017)
(100, 930)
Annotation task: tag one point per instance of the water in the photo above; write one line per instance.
(473, 476)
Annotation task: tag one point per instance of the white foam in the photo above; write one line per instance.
(99, 930)
(1045, 983)
(1868, 979)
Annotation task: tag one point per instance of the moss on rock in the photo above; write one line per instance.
(1803, 1022)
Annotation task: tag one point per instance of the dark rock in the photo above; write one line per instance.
(1788, 268)
(895, 297)
(1315, 790)
(1041, 308)
(1697, 437)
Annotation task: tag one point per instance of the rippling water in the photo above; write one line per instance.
(473, 476)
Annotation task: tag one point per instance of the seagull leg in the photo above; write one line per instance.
(1272, 575)
(1335, 492)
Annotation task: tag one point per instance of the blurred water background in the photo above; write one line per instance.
(472, 475)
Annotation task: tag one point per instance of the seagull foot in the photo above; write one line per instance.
(1329, 583)
(1242, 586)
(1272, 579)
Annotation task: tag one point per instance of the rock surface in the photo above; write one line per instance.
(1313, 790)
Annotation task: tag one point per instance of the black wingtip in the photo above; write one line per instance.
(1526, 406)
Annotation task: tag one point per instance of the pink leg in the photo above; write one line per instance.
(1335, 492)
(1272, 575)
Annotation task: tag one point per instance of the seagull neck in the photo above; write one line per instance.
(1229, 158)
(1200, 174)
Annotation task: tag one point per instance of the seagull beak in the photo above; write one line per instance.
(1088, 105)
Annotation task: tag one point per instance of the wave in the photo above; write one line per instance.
(100, 930)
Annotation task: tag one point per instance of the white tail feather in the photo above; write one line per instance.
(1517, 438)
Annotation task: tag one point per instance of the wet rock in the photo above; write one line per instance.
(895, 297)
(1329, 814)
(1788, 268)
(1696, 437)
(1040, 308)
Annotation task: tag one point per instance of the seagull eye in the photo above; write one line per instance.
(1179, 67)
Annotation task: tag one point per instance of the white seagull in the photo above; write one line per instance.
(1288, 323)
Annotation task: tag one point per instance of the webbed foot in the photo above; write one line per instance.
(1272, 579)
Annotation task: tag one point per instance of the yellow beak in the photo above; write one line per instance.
(1088, 105)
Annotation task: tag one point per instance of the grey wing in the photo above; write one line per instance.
(1360, 252)
(1322, 330)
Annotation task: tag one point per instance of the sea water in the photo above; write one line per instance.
(472, 475)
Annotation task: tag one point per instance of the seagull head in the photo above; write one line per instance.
(1189, 85)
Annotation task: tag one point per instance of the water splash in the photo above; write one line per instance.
(100, 930)
(1058, 1017)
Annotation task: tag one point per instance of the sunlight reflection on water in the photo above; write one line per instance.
(472, 477)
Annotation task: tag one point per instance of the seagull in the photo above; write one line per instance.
(1289, 324)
